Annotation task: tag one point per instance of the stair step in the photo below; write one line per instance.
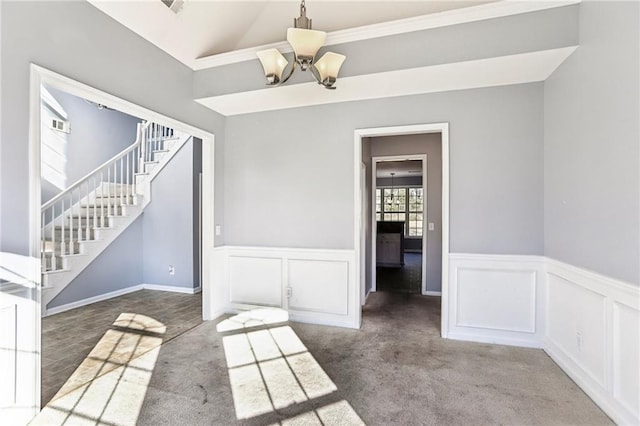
(51, 247)
(67, 233)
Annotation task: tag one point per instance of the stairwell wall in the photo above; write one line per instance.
(96, 136)
(118, 267)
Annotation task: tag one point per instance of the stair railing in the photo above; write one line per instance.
(72, 216)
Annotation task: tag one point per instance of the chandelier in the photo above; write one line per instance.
(305, 43)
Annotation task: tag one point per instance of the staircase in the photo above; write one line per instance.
(79, 223)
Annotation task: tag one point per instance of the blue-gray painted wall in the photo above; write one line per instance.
(96, 136)
(592, 146)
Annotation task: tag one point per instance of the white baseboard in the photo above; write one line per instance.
(432, 293)
(171, 288)
(94, 299)
(116, 293)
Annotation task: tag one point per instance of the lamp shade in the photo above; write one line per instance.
(329, 65)
(305, 43)
(273, 62)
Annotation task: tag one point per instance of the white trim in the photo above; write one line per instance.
(597, 368)
(443, 129)
(121, 292)
(399, 26)
(433, 293)
(171, 288)
(497, 298)
(478, 73)
(238, 268)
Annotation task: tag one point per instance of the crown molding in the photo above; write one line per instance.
(481, 12)
(489, 72)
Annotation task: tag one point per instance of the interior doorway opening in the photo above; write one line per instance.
(399, 227)
(402, 226)
(203, 213)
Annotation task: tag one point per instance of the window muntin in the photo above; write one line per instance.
(401, 204)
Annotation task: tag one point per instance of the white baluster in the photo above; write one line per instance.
(94, 205)
(63, 243)
(43, 261)
(71, 246)
(86, 203)
(108, 183)
(121, 182)
(101, 200)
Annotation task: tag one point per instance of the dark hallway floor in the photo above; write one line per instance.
(407, 279)
(69, 337)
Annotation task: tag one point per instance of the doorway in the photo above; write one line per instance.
(399, 206)
(363, 153)
(30, 394)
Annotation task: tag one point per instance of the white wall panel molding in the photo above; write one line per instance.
(593, 334)
(314, 286)
(497, 299)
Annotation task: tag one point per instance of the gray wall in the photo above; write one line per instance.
(96, 136)
(118, 267)
(431, 145)
(168, 223)
(592, 154)
(496, 152)
(77, 40)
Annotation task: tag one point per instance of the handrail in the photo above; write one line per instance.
(80, 211)
(141, 127)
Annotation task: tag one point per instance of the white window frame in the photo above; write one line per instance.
(406, 211)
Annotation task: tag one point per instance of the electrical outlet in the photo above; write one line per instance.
(172, 270)
(432, 226)
(289, 291)
(218, 230)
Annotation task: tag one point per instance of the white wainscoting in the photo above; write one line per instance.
(593, 334)
(496, 299)
(314, 286)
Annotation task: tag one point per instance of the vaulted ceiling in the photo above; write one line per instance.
(204, 28)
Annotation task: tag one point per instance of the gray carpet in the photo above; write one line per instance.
(396, 370)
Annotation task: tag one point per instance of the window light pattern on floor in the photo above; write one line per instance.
(271, 369)
(110, 385)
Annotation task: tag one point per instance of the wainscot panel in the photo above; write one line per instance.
(314, 286)
(593, 334)
(496, 299)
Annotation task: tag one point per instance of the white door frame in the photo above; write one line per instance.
(359, 134)
(374, 230)
(40, 76)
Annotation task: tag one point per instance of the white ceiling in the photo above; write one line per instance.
(209, 27)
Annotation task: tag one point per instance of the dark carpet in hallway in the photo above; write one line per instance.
(405, 279)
